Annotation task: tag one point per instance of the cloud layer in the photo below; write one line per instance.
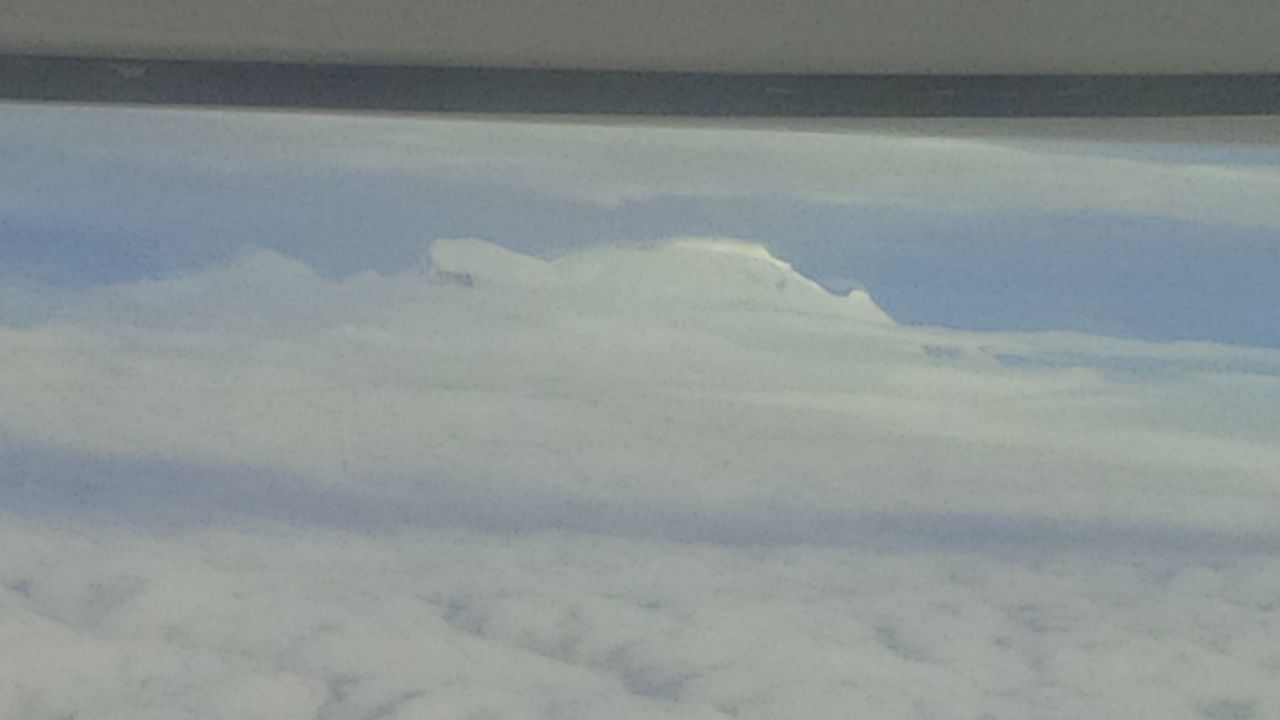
(700, 371)
(677, 480)
(466, 625)
(612, 165)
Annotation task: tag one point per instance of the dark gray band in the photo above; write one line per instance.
(476, 90)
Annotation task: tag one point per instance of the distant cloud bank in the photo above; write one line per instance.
(676, 480)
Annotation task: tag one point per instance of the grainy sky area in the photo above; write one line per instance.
(355, 417)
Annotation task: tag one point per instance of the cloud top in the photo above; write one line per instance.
(691, 271)
(694, 377)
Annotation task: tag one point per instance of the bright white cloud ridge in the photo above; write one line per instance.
(668, 481)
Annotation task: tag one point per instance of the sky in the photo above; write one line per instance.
(331, 417)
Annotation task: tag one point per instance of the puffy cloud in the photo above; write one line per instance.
(676, 480)
(327, 624)
(760, 388)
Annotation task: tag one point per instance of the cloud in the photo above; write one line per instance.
(465, 625)
(613, 165)
(759, 386)
(678, 480)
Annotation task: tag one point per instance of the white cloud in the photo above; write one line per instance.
(212, 624)
(756, 383)
(609, 165)
(678, 481)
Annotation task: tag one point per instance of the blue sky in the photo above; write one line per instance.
(116, 195)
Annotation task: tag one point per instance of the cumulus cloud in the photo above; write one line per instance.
(677, 480)
(466, 625)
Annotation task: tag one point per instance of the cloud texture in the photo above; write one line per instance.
(679, 480)
(613, 165)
